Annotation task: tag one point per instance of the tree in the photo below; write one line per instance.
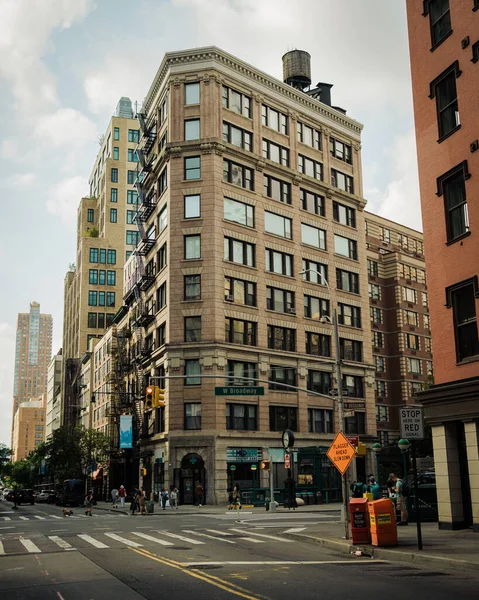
(5, 453)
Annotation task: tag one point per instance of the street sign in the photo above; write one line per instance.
(353, 440)
(334, 392)
(412, 426)
(243, 390)
(341, 453)
(287, 461)
(348, 413)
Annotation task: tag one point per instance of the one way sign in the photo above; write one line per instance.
(412, 426)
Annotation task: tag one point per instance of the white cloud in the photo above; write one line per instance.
(63, 198)
(22, 180)
(66, 127)
(7, 355)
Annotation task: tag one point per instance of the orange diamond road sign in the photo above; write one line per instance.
(341, 453)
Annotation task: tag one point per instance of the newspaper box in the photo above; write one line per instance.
(382, 517)
(359, 517)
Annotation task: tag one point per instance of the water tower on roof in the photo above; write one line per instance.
(297, 69)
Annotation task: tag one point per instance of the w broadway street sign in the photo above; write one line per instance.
(242, 390)
(341, 453)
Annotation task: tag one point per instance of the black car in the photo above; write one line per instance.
(25, 497)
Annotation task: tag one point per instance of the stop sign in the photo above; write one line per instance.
(287, 461)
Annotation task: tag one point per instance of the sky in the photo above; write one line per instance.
(64, 64)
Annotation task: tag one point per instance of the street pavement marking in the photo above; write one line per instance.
(263, 535)
(59, 542)
(29, 545)
(211, 537)
(282, 562)
(152, 539)
(180, 537)
(55, 517)
(250, 539)
(41, 518)
(2, 551)
(294, 530)
(118, 538)
(92, 541)
(24, 518)
(218, 532)
(7, 518)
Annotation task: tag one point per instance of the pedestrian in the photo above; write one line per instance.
(290, 491)
(358, 488)
(142, 497)
(400, 499)
(89, 503)
(135, 501)
(122, 494)
(199, 493)
(114, 498)
(373, 488)
(230, 500)
(15, 495)
(164, 498)
(173, 497)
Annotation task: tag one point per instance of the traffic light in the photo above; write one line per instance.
(159, 398)
(361, 450)
(149, 399)
(266, 465)
(143, 471)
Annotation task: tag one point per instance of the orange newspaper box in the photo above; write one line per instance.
(382, 518)
(359, 518)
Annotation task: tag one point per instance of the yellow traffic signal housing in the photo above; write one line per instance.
(266, 465)
(361, 449)
(150, 397)
(143, 471)
(159, 398)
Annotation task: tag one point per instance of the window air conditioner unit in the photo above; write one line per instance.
(291, 311)
(230, 298)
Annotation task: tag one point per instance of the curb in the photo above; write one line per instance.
(405, 556)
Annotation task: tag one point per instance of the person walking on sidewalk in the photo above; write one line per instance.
(114, 498)
(142, 502)
(173, 497)
(199, 493)
(122, 495)
(164, 498)
(135, 501)
(400, 499)
(89, 503)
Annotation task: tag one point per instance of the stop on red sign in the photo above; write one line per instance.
(287, 461)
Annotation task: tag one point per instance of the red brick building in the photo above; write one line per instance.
(444, 49)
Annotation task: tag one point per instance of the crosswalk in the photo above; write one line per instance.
(135, 539)
(56, 517)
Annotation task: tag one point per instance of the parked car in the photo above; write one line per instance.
(25, 497)
(54, 497)
(44, 495)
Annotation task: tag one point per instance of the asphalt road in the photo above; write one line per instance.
(44, 555)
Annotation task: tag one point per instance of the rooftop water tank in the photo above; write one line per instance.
(297, 69)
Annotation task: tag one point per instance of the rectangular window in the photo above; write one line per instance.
(133, 135)
(241, 417)
(280, 300)
(340, 150)
(92, 320)
(349, 315)
(102, 277)
(162, 257)
(347, 281)
(111, 278)
(102, 256)
(283, 417)
(92, 298)
(462, 298)
(320, 420)
(277, 225)
(101, 320)
(192, 370)
(439, 20)
(376, 315)
(310, 167)
(409, 295)
(116, 153)
(163, 181)
(374, 291)
(163, 219)
(345, 247)
(192, 206)
(382, 413)
(276, 153)
(342, 181)
(282, 377)
(192, 167)
(192, 93)
(373, 268)
(412, 341)
(132, 155)
(113, 215)
(241, 373)
(350, 350)
(354, 385)
(110, 299)
(236, 102)
(130, 217)
(192, 245)
(309, 136)
(240, 292)
(238, 212)
(113, 195)
(132, 238)
(281, 338)
(315, 272)
(239, 252)
(238, 175)
(116, 133)
(93, 276)
(237, 136)
(379, 364)
(132, 197)
(111, 257)
(411, 318)
(277, 189)
(453, 187)
(238, 331)
(414, 365)
(344, 214)
(319, 382)
(161, 335)
(131, 177)
(90, 215)
(192, 129)
(313, 236)
(443, 88)
(279, 262)
(192, 416)
(318, 344)
(192, 329)
(315, 308)
(313, 203)
(192, 287)
(274, 119)
(378, 339)
(385, 235)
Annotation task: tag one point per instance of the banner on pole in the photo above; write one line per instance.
(126, 431)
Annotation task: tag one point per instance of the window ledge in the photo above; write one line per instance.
(230, 262)
(248, 227)
(444, 137)
(278, 236)
(190, 301)
(190, 260)
(190, 180)
(458, 238)
(469, 359)
(189, 219)
(437, 44)
(229, 303)
(315, 247)
(278, 312)
(342, 256)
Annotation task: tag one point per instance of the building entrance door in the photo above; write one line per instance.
(191, 473)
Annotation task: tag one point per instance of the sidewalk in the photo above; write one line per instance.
(445, 550)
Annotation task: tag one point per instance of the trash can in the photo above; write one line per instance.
(359, 517)
(382, 517)
(150, 506)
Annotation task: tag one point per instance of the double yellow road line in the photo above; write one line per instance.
(222, 584)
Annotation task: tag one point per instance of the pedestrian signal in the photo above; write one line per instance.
(266, 465)
(159, 398)
(149, 400)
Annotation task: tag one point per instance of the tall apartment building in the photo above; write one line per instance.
(399, 315)
(53, 400)
(245, 181)
(33, 351)
(28, 427)
(444, 49)
(106, 236)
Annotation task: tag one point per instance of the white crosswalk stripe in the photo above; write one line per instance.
(263, 535)
(180, 537)
(250, 539)
(2, 551)
(29, 545)
(55, 517)
(7, 518)
(218, 532)
(92, 541)
(150, 538)
(24, 518)
(62, 543)
(211, 537)
(118, 538)
(41, 518)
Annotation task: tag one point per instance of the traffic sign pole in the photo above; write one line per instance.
(416, 497)
(272, 505)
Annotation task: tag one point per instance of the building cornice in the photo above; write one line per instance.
(212, 53)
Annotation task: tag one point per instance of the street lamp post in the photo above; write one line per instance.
(377, 449)
(339, 383)
(404, 446)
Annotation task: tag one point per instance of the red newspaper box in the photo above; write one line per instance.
(382, 516)
(359, 517)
